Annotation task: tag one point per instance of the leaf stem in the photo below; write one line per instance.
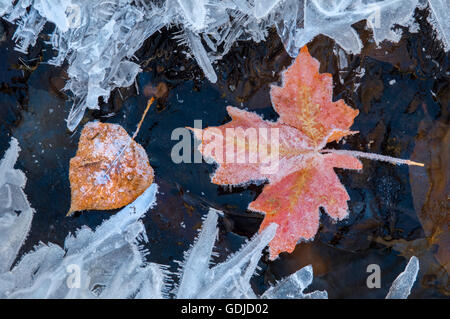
(149, 103)
(114, 162)
(376, 157)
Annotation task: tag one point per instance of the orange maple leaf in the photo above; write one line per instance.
(304, 179)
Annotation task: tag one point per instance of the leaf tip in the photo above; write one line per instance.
(304, 49)
(412, 163)
(70, 212)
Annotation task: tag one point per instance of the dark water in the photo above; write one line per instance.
(395, 211)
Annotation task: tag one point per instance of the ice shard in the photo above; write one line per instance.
(197, 259)
(194, 13)
(5, 6)
(335, 20)
(293, 286)
(230, 279)
(16, 214)
(263, 7)
(439, 19)
(402, 285)
(97, 38)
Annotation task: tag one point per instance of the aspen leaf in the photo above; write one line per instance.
(109, 170)
(304, 179)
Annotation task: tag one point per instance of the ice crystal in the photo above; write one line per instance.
(401, 287)
(106, 263)
(231, 279)
(15, 212)
(98, 39)
(293, 286)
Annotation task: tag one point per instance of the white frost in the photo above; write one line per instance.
(99, 38)
(439, 19)
(401, 287)
(292, 287)
(230, 279)
(5, 6)
(106, 263)
(14, 226)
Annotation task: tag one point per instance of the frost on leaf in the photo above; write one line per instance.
(110, 170)
(303, 179)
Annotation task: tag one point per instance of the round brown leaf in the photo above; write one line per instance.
(110, 170)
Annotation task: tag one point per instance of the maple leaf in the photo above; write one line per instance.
(304, 179)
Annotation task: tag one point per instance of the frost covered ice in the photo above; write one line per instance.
(231, 279)
(334, 19)
(292, 287)
(15, 212)
(98, 39)
(107, 263)
(439, 19)
(402, 285)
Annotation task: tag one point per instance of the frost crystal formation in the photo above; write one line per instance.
(402, 285)
(98, 39)
(13, 227)
(231, 279)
